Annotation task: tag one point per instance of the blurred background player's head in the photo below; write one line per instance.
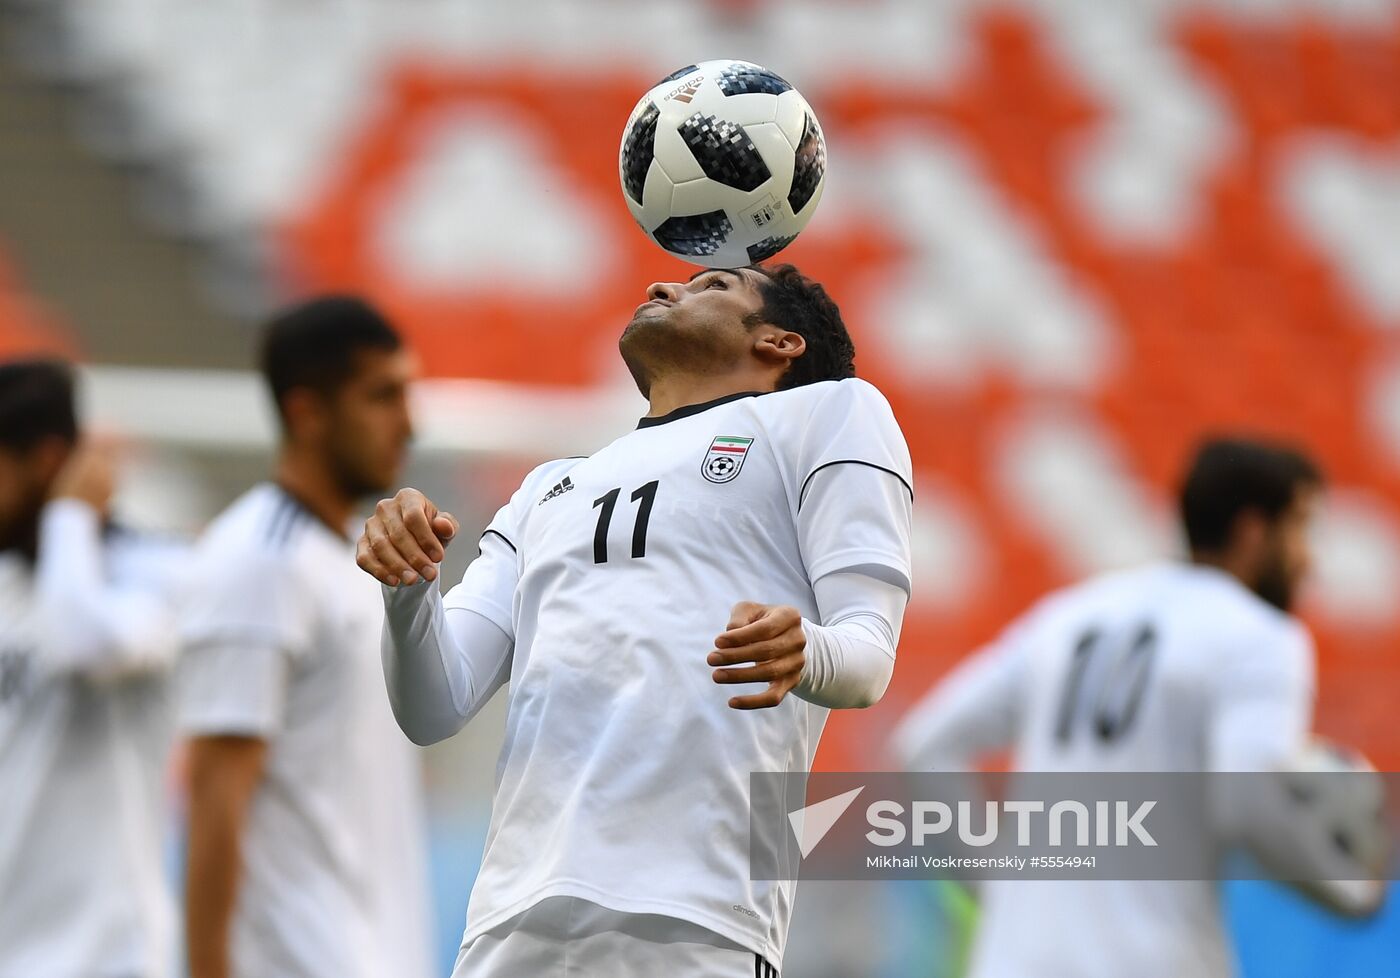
(339, 375)
(1246, 506)
(38, 429)
(774, 326)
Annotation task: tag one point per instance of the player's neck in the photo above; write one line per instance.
(312, 485)
(1225, 563)
(668, 394)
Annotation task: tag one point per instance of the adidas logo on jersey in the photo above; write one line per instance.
(559, 489)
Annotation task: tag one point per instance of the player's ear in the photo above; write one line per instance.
(304, 411)
(779, 345)
(1249, 535)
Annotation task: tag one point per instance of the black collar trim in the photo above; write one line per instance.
(690, 409)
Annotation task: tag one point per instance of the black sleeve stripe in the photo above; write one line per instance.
(802, 493)
(503, 537)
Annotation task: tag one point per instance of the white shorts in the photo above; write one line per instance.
(565, 937)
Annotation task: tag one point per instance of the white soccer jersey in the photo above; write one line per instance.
(1168, 668)
(281, 636)
(624, 778)
(84, 736)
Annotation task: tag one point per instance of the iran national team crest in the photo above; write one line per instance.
(725, 457)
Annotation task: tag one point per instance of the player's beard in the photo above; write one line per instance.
(354, 474)
(1274, 583)
(654, 345)
(627, 345)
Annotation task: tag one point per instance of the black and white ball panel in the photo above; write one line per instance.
(697, 235)
(725, 151)
(773, 144)
(809, 166)
(792, 116)
(705, 193)
(742, 78)
(768, 247)
(638, 150)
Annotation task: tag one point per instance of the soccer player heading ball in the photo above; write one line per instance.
(672, 613)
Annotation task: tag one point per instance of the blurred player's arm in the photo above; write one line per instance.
(232, 697)
(1261, 720)
(1263, 705)
(224, 771)
(247, 622)
(91, 626)
(443, 660)
(971, 712)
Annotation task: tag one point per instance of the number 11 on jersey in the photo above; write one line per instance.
(605, 503)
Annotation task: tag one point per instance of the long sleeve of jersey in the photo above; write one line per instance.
(1264, 692)
(446, 656)
(850, 654)
(442, 664)
(90, 624)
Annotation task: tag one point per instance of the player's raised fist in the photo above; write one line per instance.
(405, 539)
(770, 637)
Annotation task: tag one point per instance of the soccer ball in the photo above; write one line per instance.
(1337, 801)
(1341, 792)
(722, 163)
(1319, 824)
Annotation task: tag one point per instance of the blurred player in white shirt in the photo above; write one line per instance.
(307, 849)
(1192, 666)
(86, 639)
(753, 530)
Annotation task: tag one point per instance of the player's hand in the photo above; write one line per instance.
(405, 539)
(770, 637)
(89, 475)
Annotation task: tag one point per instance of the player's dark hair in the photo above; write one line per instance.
(315, 344)
(795, 302)
(1229, 476)
(36, 402)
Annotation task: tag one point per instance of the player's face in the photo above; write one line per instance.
(370, 426)
(698, 326)
(1288, 553)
